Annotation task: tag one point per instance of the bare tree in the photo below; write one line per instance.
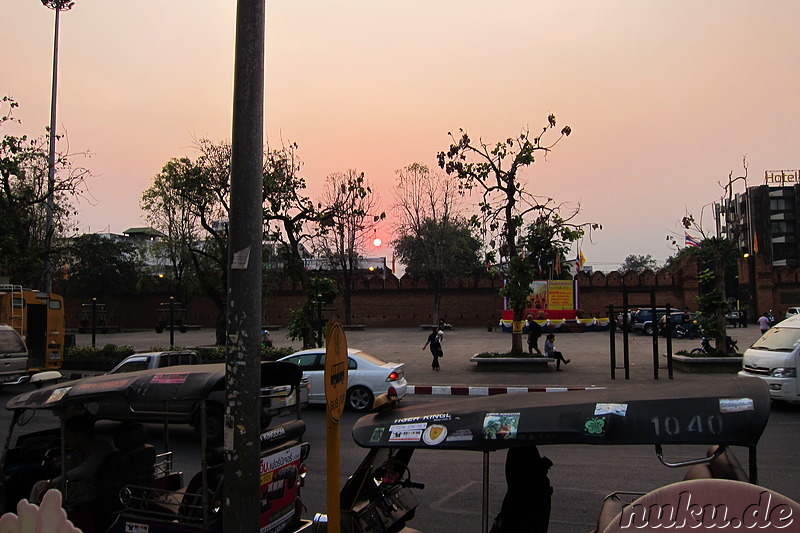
(434, 239)
(352, 211)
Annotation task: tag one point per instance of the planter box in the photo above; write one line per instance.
(707, 365)
(512, 364)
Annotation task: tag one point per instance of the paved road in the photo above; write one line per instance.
(589, 353)
(582, 475)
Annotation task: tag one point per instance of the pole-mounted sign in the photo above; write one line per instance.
(335, 394)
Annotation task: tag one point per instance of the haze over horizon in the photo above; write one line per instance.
(664, 98)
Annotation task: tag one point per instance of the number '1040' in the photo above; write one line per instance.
(670, 425)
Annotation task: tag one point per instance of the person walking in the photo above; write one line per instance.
(550, 351)
(435, 342)
(763, 322)
(534, 332)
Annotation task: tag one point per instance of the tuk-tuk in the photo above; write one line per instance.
(136, 489)
(380, 496)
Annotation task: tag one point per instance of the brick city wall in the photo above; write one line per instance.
(408, 302)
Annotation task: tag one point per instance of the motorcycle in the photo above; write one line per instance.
(731, 346)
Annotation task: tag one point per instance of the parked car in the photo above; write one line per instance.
(774, 358)
(13, 354)
(151, 360)
(792, 311)
(15, 361)
(367, 377)
(643, 319)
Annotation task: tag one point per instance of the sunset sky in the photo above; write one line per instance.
(664, 97)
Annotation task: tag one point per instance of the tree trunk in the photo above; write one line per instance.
(346, 300)
(516, 338)
(720, 344)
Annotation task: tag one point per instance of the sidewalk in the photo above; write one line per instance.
(589, 352)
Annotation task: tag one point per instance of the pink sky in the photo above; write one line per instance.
(663, 97)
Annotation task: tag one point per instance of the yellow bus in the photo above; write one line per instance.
(39, 319)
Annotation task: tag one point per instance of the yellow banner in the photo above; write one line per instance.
(559, 295)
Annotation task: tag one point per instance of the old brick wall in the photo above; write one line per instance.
(408, 302)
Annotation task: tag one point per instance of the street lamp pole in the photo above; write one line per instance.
(58, 6)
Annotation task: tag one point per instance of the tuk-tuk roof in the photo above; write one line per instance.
(184, 382)
(732, 412)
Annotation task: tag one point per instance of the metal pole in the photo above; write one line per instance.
(171, 321)
(243, 320)
(485, 503)
(655, 333)
(612, 329)
(626, 353)
(51, 168)
(669, 342)
(94, 321)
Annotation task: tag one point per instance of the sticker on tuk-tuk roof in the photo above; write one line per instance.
(406, 432)
(434, 434)
(439, 417)
(97, 386)
(377, 434)
(595, 426)
(170, 378)
(620, 409)
(500, 426)
(459, 435)
(735, 405)
(57, 394)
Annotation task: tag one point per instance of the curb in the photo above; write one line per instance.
(464, 390)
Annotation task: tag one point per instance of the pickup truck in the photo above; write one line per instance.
(14, 361)
(277, 400)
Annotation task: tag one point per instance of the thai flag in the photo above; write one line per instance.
(691, 241)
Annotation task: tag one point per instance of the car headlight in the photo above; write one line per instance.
(783, 373)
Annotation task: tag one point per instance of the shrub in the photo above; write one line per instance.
(93, 358)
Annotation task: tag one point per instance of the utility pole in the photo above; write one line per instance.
(243, 317)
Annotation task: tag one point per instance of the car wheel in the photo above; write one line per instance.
(648, 330)
(359, 399)
(215, 423)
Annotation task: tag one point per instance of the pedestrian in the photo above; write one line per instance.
(763, 322)
(435, 342)
(550, 351)
(534, 332)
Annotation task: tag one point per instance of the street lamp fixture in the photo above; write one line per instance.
(58, 6)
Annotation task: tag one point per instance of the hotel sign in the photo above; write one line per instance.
(781, 178)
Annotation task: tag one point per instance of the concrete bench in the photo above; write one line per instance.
(512, 364)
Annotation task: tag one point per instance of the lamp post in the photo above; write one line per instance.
(58, 6)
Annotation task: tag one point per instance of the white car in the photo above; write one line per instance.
(367, 377)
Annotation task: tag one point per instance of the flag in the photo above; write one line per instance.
(755, 243)
(558, 263)
(691, 241)
(579, 259)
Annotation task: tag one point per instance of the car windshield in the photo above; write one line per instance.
(370, 358)
(10, 342)
(778, 339)
(131, 366)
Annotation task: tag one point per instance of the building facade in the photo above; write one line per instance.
(765, 219)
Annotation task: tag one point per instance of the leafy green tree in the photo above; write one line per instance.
(292, 219)
(638, 263)
(23, 200)
(351, 213)
(306, 320)
(436, 241)
(493, 170)
(189, 202)
(101, 267)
